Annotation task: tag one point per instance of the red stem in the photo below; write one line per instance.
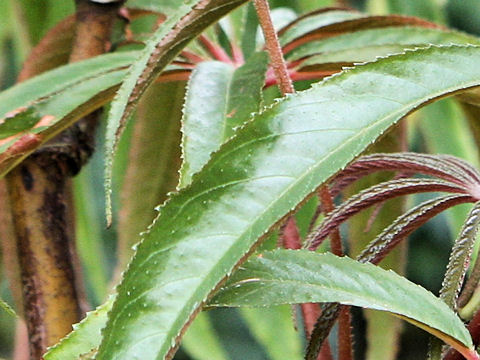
(215, 50)
(294, 75)
(345, 350)
(273, 47)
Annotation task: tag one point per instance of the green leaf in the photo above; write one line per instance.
(259, 176)
(85, 336)
(54, 100)
(12, 125)
(382, 330)
(313, 21)
(292, 277)
(171, 37)
(377, 38)
(219, 99)
(148, 176)
(51, 82)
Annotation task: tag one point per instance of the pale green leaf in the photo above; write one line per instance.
(219, 99)
(259, 176)
(60, 79)
(188, 20)
(299, 276)
(313, 21)
(153, 163)
(7, 308)
(407, 36)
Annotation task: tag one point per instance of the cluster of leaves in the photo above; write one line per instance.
(249, 160)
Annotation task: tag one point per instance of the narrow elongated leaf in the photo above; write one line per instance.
(259, 176)
(290, 277)
(315, 20)
(51, 102)
(220, 98)
(51, 82)
(153, 164)
(7, 308)
(355, 24)
(189, 20)
(460, 258)
(410, 36)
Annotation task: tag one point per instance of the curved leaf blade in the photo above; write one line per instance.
(189, 20)
(291, 277)
(388, 36)
(47, 104)
(258, 177)
(310, 22)
(51, 82)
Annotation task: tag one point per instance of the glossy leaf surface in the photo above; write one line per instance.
(220, 98)
(290, 277)
(258, 177)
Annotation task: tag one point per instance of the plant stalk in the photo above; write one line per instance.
(273, 47)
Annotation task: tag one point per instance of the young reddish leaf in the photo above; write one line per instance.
(374, 195)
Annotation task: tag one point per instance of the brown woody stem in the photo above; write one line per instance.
(40, 197)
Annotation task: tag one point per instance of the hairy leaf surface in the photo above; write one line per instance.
(258, 177)
(290, 277)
